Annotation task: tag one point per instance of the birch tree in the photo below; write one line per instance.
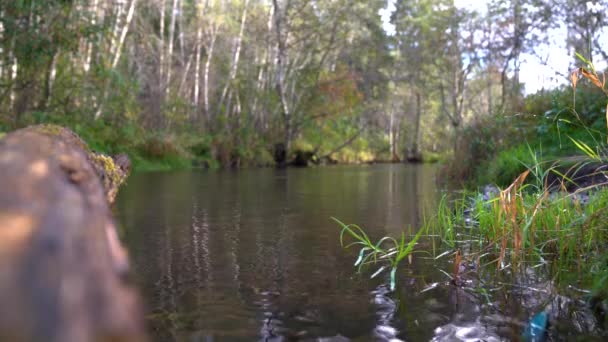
(235, 61)
(117, 45)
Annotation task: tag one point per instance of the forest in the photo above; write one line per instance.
(213, 83)
(478, 194)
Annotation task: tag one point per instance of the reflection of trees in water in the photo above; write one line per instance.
(165, 286)
(262, 251)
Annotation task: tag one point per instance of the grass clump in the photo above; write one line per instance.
(388, 250)
(527, 226)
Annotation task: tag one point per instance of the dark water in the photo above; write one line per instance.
(253, 256)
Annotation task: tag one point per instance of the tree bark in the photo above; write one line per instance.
(197, 61)
(280, 81)
(161, 45)
(117, 53)
(415, 153)
(169, 57)
(62, 268)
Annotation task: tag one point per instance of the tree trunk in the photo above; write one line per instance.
(89, 50)
(235, 59)
(123, 34)
(61, 264)
(263, 75)
(169, 58)
(197, 68)
(391, 134)
(415, 151)
(161, 46)
(489, 90)
(280, 82)
(117, 53)
(49, 78)
(210, 51)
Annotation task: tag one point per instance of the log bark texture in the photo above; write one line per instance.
(62, 268)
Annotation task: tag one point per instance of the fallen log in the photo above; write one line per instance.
(62, 268)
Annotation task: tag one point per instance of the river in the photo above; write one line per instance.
(253, 255)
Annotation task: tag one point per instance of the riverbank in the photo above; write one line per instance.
(166, 151)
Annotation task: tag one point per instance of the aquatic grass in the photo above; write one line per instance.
(386, 250)
(525, 226)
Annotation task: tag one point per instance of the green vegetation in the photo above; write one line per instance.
(387, 249)
(524, 227)
(192, 83)
(182, 83)
(532, 221)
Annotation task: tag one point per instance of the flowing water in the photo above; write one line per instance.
(253, 255)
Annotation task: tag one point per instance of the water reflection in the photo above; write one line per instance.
(253, 255)
(386, 311)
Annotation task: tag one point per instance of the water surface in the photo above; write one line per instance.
(253, 255)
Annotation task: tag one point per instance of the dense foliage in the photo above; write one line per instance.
(223, 82)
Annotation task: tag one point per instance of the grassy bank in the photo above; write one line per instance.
(185, 149)
(540, 217)
(548, 129)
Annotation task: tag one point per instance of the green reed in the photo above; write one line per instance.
(387, 251)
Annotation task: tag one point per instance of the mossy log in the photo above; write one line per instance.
(62, 267)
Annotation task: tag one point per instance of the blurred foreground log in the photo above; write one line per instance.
(62, 268)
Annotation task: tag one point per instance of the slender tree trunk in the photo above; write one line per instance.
(280, 70)
(391, 134)
(181, 30)
(12, 73)
(123, 34)
(263, 72)
(161, 45)
(415, 151)
(169, 58)
(182, 83)
(23, 79)
(197, 70)
(235, 59)
(117, 53)
(49, 78)
(197, 59)
(503, 88)
(89, 51)
(210, 51)
(489, 90)
(116, 28)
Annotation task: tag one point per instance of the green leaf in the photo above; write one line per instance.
(585, 149)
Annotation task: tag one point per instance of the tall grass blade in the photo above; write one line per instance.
(377, 272)
(583, 147)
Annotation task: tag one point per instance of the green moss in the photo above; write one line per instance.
(109, 168)
(49, 129)
(56, 130)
